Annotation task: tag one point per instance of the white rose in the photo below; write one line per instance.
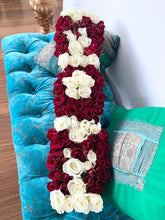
(91, 82)
(87, 165)
(63, 60)
(84, 92)
(70, 35)
(74, 122)
(94, 60)
(57, 199)
(77, 135)
(68, 204)
(84, 41)
(84, 61)
(73, 167)
(85, 126)
(76, 14)
(85, 80)
(67, 152)
(66, 12)
(94, 18)
(75, 60)
(61, 123)
(83, 32)
(70, 82)
(95, 128)
(84, 12)
(75, 48)
(72, 92)
(91, 156)
(81, 204)
(76, 187)
(77, 73)
(96, 202)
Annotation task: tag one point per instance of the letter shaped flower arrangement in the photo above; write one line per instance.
(78, 157)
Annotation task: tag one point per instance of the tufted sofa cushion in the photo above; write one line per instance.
(29, 88)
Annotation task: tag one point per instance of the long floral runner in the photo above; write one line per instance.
(78, 157)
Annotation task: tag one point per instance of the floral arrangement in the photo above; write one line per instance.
(78, 157)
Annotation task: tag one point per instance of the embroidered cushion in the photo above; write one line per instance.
(49, 61)
(137, 143)
(32, 114)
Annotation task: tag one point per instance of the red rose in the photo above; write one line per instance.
(91, 49)
(98, 104)
(64, 189)
(90, 69)
(107, 162)
(59, 89)
(88, 113)
(65, 178)
(77, 153)
(80, 116)
(69, 69)
(98, 189)
(54, 175)
(60, 37)
(103, 175)
(52, 134)
(60, 29)
(87, 145)
(64, 160)
(51, 163)
(70, 110)
(95, 89)
(99, 153)
(59, 113)
(100, 81)
(97, 110)
(54, 185)
(101, 24)
(59, 100)
(96, 118)
(103, 134)
(71, 101)
(93, 138)
(87, 102)
(86, 22)
(72, 145)
(79, 105)
(59, 21)
(60, 49)
(85, 152)
(99, 97)
(101, 163)
(92, 172)
(90, 181)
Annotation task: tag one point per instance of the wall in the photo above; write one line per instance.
(137, 77)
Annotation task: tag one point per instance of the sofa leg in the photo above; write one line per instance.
(44, 12)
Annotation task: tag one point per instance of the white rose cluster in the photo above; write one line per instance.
(79, 200)
(76, 14)
(78, 60)
(79, 85)
(78, 131)
(74, 167)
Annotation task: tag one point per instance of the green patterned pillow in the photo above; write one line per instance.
(137, 142)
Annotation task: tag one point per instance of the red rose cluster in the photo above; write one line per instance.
(89, 108)
(94, 178)
(94, 31)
